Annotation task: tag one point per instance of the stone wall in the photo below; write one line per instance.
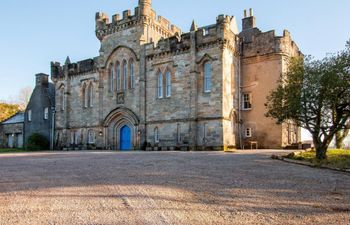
(15, 130)
(188, 119)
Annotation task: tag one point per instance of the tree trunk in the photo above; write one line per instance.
(321, 149)
(340, 137)
(321, 152)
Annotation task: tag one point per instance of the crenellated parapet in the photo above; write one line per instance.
(263, 43)
(72, 69)
(222, 35)
(143, 15)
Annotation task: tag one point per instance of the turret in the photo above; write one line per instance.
(248, 22)
(145, 7)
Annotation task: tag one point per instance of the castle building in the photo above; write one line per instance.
(155, 87)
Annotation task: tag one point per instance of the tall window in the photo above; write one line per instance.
(119, 80)
(247, 101)
(84, 96)
(46, 113)
(168, 84)
(62, 99)
(207, 76)
(178, 133)
(91, 137)
(132, 74)
(111, 79)
(160, 85)
(29, 115)
(90, 95)
(156, 135)
(125, 75)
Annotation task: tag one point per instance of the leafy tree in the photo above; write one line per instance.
(316, 95)
(341, 135)
(8, 110)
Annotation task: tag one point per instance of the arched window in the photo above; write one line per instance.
(168, 84)
(160, 85)
(156, 135)
(132, 74)
(119, 81)
(125, 75)
(84, 94)
(91, 137)
(111, 79)
(62, 99)
(207, 76)
(90, 95)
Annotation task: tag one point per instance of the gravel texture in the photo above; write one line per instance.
(246, 187)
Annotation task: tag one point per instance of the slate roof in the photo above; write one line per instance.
(18, 118)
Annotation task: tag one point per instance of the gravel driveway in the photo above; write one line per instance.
(168, 188)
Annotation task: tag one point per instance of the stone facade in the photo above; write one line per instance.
(39, 112)
(154, 87)
(11, 132)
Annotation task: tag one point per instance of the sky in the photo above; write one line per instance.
(36, 32)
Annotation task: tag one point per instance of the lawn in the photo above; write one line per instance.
(12, 150)
(335, 158)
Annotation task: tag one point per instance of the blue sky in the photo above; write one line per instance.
(35, 32)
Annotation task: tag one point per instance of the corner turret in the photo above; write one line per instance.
(145, 7)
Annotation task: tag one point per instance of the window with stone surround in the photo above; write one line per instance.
(30, 115)
(160, 85)
(207, 76)
(125, 75)
(90, 95)
(132, 74)
(156, 135)
(62, 99)
(111, 78)
(84, 96)
(91, 137)
(168, 84)
(247, 101)
(46, 113)
(119, 82)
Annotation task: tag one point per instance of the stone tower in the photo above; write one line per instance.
(145, 7)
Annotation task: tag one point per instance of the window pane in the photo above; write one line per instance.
(125, 75)
(118, 78)
(207, 77)
(168, 84)
(160, 85)
(132, 75)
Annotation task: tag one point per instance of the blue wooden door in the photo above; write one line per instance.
(125, 138)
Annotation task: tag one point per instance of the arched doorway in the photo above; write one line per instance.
(125, 138)
(121, 130)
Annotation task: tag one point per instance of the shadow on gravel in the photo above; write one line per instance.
(212, 178)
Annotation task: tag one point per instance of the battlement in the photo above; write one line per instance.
(222, 32)
(81, 67)
(143, 13)
(262, 43)
(104, 27)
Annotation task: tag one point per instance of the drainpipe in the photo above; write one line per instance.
(240, 93)
(52, 128)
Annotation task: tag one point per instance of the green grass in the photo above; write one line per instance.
(12, 150)
(337, 158)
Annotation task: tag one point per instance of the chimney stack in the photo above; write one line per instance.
(248, 22)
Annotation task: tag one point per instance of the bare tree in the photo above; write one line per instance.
(24, 97)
